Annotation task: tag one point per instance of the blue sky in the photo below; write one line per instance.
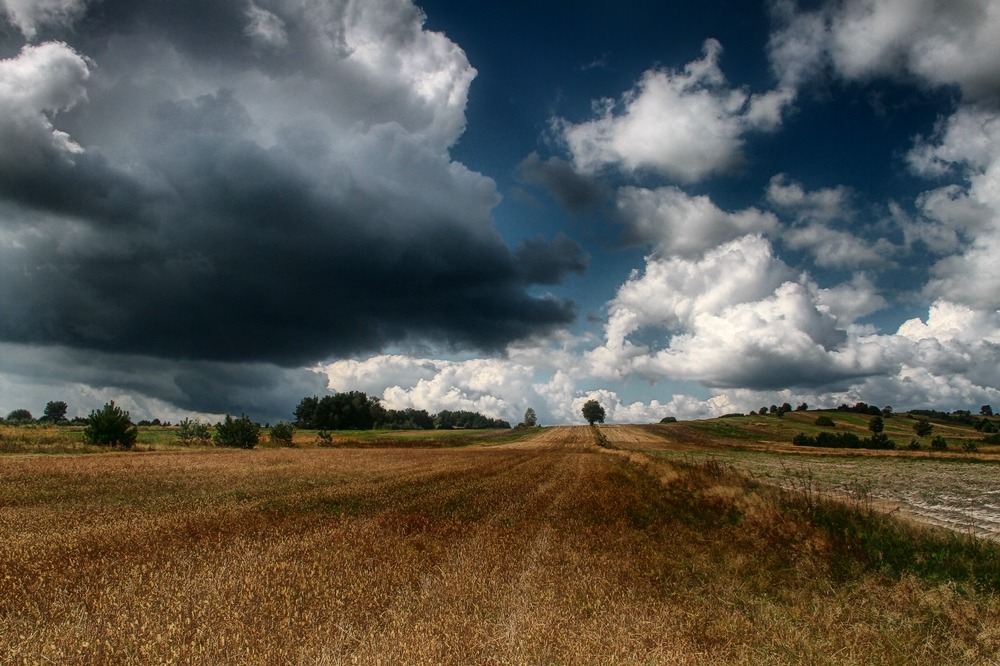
(677, 208)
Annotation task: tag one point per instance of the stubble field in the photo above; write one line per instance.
(551, 550)
(953, 490)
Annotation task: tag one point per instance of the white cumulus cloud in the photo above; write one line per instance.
(674, 222)
(35, 85)
(938, 42)
(686, 124)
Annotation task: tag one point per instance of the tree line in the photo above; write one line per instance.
(356, 410)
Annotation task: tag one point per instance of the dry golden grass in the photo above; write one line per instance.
(548, 551)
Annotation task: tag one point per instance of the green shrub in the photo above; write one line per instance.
(969, 446)
(194, 432)
(668, 419)
(914, 445)
(939, 444)
(110, 426)
(844, 440)
(241, 433)
(19, 417)
(825, 421)
(923, 427)
(282, 433)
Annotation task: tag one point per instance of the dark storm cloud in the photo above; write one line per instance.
(573, 191)
(545, 262)
(176, 213)
(261, 390)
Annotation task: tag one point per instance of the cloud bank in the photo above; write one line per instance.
(262, 183)
(218, 196)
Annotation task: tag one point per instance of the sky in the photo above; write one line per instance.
(678, 209)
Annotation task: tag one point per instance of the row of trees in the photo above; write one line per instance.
(55, 412)
(356, 410)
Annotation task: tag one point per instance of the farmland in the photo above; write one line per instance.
(950, 489)
(545, 548)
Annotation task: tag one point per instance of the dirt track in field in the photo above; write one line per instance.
(952, 492)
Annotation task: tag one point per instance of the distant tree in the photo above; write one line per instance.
(986, 410)
(876, 424)
(447, 420)
(887, 411)
(923, 427)
(668, 419)
(19, 417)
(825, 421)
(281, 433)
(110, 426)
(785, 407)
(774, 409)
(241, 433)
(762, 411)
(593, 412)
(802, 408)
(192, 432)
(939, 444)
(530, 418)
(305, 412)
(55, 411)
(406, 419)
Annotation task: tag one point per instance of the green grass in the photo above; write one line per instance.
(732, 428)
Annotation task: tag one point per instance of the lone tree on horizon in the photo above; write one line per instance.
(593, 412)
(530, 418)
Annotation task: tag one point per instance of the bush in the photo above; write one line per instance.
(668, 419)
(282, 433)
(923, 427)
(825, 421)
(241, 433)
(840, 440)
(939, 444)
(20, 417)
(879, 441)
(194, 432)
(969, 446)
(914, 445)
(844, 440)
(110, 426)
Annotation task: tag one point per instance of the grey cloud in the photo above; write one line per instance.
(575, 192)
(264, 391)
(545, 262)
(198, 223)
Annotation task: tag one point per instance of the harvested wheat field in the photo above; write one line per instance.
(551, 550)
